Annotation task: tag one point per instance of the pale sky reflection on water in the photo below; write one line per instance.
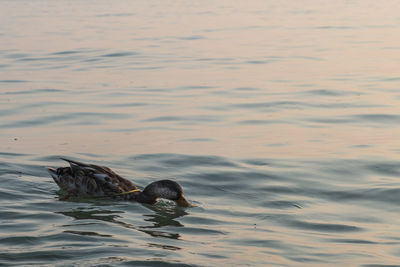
(279, 50)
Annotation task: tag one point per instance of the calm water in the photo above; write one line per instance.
(281, 120)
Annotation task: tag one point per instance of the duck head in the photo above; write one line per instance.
(163, 189)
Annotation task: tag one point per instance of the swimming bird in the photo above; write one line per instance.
(89, 180)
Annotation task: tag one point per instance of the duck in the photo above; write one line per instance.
(89, 180)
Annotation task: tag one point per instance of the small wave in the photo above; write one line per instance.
(73, 118)
(187, 119)
(323, 227)
(34, 91)
(366, 120)
(351, 241)
(13, 81)
(120, 54)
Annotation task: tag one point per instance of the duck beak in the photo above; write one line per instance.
(183, 202)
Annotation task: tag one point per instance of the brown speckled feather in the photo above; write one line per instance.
(82, 179)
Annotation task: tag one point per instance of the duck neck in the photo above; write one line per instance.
(142, 197)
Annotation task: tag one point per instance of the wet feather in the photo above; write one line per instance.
(82, 179)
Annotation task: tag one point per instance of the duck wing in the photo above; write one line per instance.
(81, 179)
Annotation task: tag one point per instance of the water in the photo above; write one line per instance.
(280, 121)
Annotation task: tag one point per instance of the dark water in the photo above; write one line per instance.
(280, 120)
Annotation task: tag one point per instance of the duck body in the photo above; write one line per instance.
(89, 180)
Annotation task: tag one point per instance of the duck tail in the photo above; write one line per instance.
(54, 174)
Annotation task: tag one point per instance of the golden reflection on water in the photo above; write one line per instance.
(283, 137)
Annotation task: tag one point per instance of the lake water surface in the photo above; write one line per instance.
(280, 119)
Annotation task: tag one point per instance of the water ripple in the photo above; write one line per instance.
(368, 120)
(120, 54)
(77, 118)
(189, 119)
(13, 81)
(323, 227)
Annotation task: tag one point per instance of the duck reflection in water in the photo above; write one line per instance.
(162, 217)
